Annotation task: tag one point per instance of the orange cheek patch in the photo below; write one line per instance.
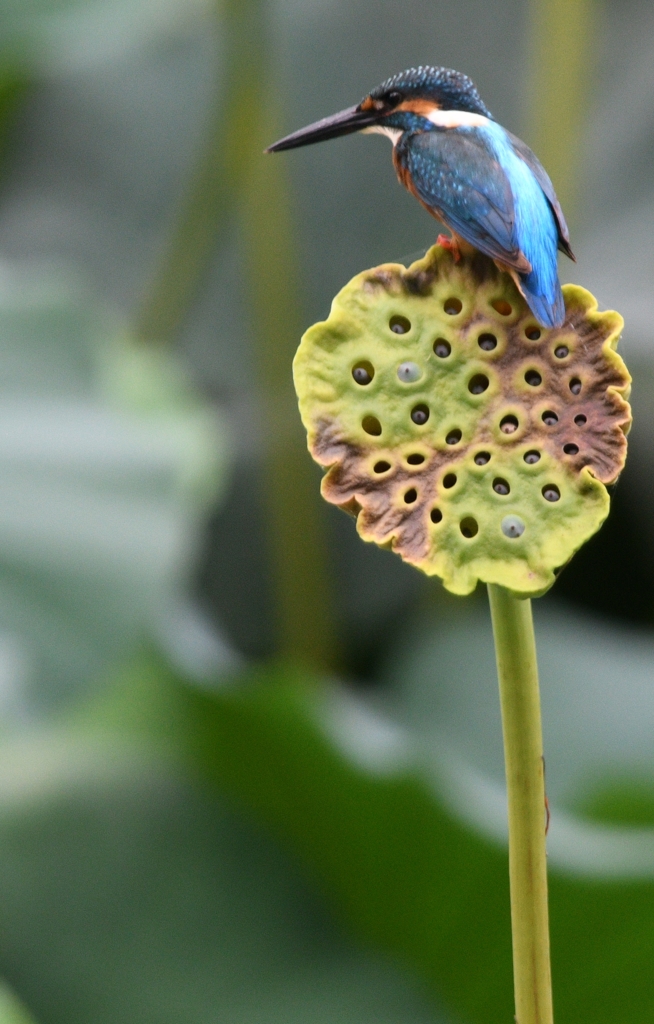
(419, 106)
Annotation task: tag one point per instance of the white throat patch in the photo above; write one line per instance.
(377, 129)
(441, 118)
(456, 119)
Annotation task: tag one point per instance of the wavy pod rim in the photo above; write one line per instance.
(487, 378)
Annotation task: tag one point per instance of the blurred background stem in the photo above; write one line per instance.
(296, 533)
(561, 47)
(217, 179)
(517, 671)
(232, 174)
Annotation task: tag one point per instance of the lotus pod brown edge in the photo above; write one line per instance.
(464, 436)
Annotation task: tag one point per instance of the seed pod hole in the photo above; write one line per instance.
(513, 527)
(549, 418)
(533, 333)
(575, 385)
(453, 437)
(410, 496)
(571, 449)
(409, 372)
(532, 457)
(371, 425)
(487, 342)
(469, 527)
(399, 325)
(561, 351)
(533, 378)
(581, 420)
(363, 372)
(551, 492)
(478, 384)
(509, 424)
(452, 306)
(382, 466)
(442, 348)
(415, 459)
(436, 515)
(502, 307)
(420, 414)
(481, 458)
(501, 486)
(449, 480)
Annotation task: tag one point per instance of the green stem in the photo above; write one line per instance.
(517, 671)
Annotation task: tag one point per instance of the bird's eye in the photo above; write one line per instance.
(393, 98)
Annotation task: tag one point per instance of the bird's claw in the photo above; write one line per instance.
(449, 243)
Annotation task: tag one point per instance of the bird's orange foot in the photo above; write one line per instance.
(449, 243)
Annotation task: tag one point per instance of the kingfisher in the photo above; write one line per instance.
(478, 179)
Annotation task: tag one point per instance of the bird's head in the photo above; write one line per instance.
(398, 104)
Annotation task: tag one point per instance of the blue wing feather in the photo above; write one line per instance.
(490, 195)
(457, 175)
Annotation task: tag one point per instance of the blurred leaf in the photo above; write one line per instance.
(626, 801)
(109, 461)
(11, 1010)
(130, 896)
(14, 86)
(401, 871)
(350, 795)
(596, 691)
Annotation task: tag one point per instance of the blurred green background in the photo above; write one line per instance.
(250, 767)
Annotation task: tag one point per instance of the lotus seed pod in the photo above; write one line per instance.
(460, 433)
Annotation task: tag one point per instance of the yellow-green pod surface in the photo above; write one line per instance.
(463, 435)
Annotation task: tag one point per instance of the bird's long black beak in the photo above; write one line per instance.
(346, 121)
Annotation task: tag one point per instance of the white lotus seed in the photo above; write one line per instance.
(513, 526)
(408, 372)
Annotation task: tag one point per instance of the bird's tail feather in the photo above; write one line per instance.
(546, 304)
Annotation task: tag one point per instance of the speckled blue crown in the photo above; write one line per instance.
(450, 89)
